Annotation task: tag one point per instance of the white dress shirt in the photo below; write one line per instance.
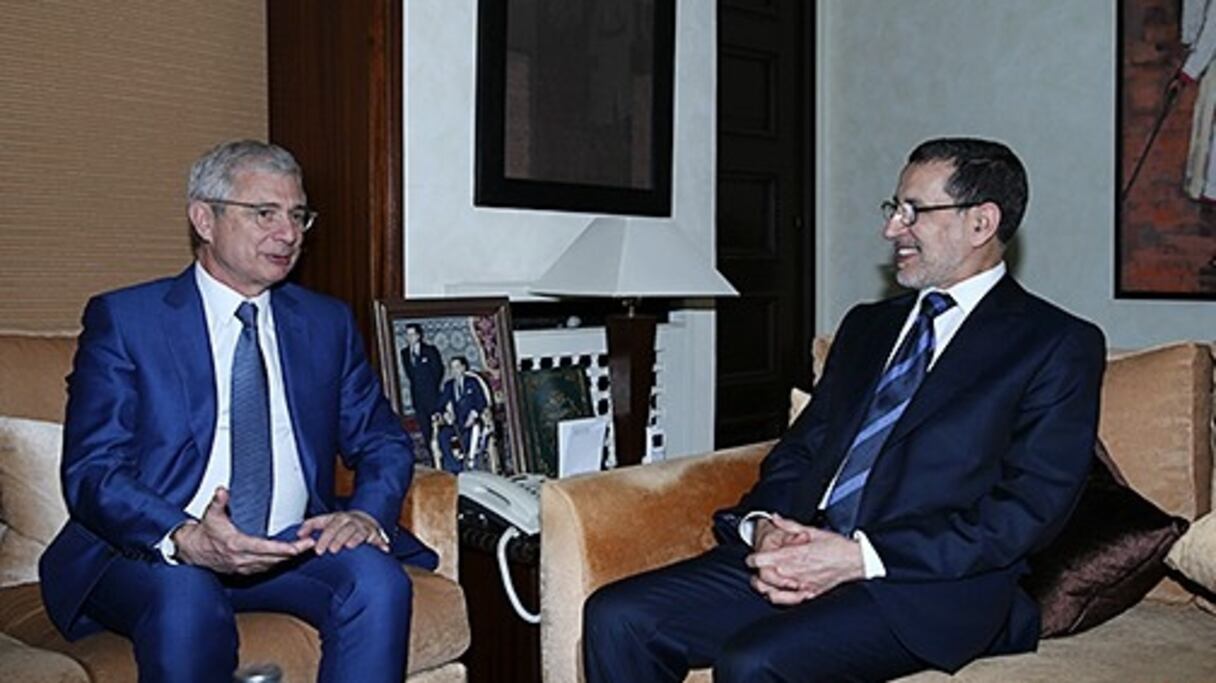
(289, 497)
(967, 295)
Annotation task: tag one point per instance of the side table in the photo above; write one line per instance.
(504, 648)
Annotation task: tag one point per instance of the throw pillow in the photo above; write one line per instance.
(31, 496)
(798, 400)
(1195, 553)
(1105, 560)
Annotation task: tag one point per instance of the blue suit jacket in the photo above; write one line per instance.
(982, 469)
(141, 416)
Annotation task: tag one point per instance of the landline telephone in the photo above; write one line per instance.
(516, 503)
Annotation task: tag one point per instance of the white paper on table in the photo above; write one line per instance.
(580, 445)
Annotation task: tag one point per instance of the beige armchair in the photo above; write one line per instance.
(32, 371)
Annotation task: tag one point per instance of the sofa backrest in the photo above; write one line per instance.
(33, 374)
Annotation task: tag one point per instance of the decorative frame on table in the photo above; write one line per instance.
(574, 105)
(473, 423)
(1165, 234)
(550, 395)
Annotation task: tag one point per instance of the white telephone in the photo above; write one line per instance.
(515, 501)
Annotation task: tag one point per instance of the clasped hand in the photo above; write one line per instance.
(795, 562)
(215, 543)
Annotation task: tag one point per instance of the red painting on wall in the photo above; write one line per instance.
(1166, 187)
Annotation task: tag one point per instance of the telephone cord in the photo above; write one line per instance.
(507, 584)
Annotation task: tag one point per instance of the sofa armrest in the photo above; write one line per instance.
(430, 512)
(605, 526)
(21, 662)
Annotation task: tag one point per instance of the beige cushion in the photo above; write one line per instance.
(1195, 553)
(1156, 412)
(31, 497)
(1149, 643)
(439, 633)
(798, 400)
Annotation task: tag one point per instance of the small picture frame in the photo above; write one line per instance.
(549, 396)
(448, 366)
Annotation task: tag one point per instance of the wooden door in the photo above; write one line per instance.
(765, 244)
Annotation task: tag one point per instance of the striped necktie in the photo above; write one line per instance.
(895, 389)
(249, 421)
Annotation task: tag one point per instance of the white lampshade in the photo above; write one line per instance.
(632, 258)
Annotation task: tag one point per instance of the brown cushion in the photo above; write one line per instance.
(439, 633)
(1106, 559)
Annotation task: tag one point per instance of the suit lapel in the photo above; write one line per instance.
(981, 336)
(863, 366)
(185, 327)
(295, 365)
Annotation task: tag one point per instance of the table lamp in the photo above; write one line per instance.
(628, 259)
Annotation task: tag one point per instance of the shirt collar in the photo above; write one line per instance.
(967, 294)
(221, 301)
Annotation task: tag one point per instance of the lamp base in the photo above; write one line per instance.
(631, 374)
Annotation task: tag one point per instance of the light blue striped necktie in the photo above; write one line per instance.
(249, 422)
(895, 389)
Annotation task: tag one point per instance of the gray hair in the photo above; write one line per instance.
(211, 176)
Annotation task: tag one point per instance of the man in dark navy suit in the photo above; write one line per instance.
(947, 440)
(203, 419)
(463, 398)
(424, 370)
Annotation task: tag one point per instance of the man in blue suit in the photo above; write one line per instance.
(424, 369)
(463, 398)
(204, 415)
(947, 440)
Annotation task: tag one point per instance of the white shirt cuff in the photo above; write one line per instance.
(747, 525)
(873, 566)
(166, 546)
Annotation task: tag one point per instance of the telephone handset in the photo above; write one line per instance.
(515, 501)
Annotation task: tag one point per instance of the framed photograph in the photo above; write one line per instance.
(551, 395)
(449, 368)
(1165, 240)
(574, 105)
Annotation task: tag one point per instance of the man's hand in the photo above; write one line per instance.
(216, 544)
(340, 530)
(812, 563)
(767, 537)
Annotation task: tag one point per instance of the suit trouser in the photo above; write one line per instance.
(180, 618)
(701, 612)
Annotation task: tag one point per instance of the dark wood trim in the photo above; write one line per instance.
(335, 97)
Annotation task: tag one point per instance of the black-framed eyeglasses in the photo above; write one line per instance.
(267, 215)
(908, 212)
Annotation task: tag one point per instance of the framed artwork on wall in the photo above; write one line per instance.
(1165, 241)
(449, 368)
(574, 105)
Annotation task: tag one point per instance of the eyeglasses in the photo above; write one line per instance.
(267, 215)
(909, 212)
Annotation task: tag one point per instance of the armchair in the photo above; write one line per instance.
(32, 371)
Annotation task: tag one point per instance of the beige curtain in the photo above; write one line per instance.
(103, 105)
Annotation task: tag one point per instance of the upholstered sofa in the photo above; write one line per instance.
(32, 395)
(1156, 423)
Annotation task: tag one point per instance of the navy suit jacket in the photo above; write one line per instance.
(982, 469)
(141, 417)
(425, 377)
